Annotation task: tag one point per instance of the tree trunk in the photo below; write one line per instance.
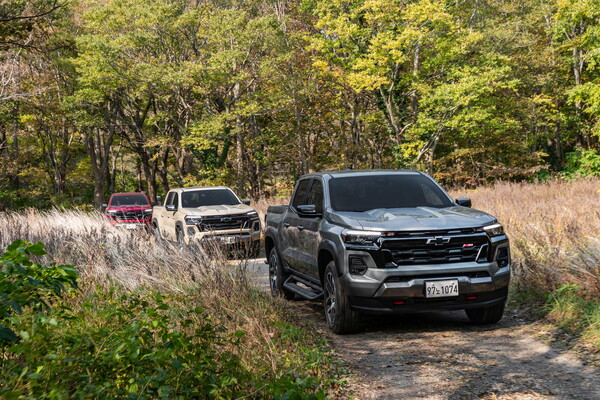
(98, 145)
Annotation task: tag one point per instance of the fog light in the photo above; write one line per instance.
(503, 257)
(357, 265)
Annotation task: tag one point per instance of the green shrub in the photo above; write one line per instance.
(575, 314)
(582, 163)
(135, 345)
(24, 283)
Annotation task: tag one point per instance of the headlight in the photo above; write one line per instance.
(252, 214)
(148, 212)
(193, 220)
(360, 237)
(494, 229)
(111, 213)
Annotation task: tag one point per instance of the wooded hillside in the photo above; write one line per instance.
(99, 96)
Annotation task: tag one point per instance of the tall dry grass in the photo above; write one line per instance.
(105, 255)
(110, 258)
(554, 229)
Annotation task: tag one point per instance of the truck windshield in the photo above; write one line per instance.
(129, 200)
(368, 192)
(212, 197)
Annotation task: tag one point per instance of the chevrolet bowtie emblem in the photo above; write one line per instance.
(438, 240)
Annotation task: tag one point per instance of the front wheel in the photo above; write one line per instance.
(156, 231)
(277, 277)
(180, 238)
(486, 315)
(340, 317)
(254, 249)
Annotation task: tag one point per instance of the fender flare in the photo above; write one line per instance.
(331, 248)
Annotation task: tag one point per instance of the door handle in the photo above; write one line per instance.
(286, 225)
(300, 227)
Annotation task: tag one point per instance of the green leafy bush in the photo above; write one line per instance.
(574, 313)
(142, 346)
(582, 163)
(24, 283)
(138, 345)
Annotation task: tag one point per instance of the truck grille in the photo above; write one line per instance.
(437, 248)
(223, 222)
(128, 215)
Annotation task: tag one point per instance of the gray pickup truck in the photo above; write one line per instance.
(386, 242)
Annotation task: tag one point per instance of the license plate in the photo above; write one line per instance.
(130, 226)
(447, 288)
(228, 239)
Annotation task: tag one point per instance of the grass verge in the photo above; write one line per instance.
(151, 321)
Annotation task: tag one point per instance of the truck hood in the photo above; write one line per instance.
(218, 210)
(413, 219)
(129, 208)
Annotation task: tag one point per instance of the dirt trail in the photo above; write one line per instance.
(443, 356)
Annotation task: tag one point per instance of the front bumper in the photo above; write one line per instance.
(130, 224)
(227, 238)
(402, 289)
(401, 305)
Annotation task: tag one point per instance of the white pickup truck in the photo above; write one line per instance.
(195, 214)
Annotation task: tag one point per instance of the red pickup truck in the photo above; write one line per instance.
(129, 210)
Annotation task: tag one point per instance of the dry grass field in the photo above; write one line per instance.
(554, 228)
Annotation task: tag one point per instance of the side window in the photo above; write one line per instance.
(301, 195)
(169, 199)
(172, 199)
(316, 195)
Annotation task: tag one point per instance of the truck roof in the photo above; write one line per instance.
(193, 188)
(363, 172)
(128, 193)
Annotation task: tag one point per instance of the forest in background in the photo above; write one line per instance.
(99, 96)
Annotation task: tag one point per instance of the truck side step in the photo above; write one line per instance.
(310, 290)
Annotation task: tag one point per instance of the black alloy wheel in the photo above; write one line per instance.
(277, 277)
(340, 317)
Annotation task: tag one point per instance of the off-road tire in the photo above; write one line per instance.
(340, 318)
(486, 315)
(277, 277)
(254, 250)
(156, 231)
(180, 238)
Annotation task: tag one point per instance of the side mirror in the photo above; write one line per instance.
(104, 207)
(170, 207)
(465, 202)
(246, 202)
(308, 210)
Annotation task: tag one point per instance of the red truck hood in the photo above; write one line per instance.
(128, 208)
